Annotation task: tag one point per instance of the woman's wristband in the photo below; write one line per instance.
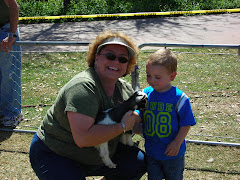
(123, 126)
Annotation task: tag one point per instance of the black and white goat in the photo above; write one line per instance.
(114, 115)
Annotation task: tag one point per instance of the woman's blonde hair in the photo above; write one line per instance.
(108, 34)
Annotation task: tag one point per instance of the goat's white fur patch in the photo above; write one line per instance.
(107, 120)
(104, 154)
(103, 148)
(139, 98)
(125, 138)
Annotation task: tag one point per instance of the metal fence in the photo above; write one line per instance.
(209, 103)
(208, 74)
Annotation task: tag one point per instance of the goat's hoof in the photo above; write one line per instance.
(112, 165)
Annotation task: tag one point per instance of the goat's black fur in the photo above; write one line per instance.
(114, 115)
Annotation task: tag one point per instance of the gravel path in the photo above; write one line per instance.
(205, 29)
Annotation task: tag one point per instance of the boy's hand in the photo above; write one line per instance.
(174, 146)
(172, 149)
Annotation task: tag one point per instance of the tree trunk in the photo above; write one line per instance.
(66, 3)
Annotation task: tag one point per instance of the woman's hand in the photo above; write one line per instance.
(128, 120)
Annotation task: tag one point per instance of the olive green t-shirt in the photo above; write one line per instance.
(4, 12)
(82, 94)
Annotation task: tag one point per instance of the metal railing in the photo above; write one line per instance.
(135, 74)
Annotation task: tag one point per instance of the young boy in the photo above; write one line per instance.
(167, 119)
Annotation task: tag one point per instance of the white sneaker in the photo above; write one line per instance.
(11, 121)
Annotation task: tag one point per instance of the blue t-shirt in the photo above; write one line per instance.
(166, 112)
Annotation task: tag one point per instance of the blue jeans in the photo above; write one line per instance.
(165, 169)
(50, 166)
(10, 77)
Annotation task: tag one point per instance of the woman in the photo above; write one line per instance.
(63, 147)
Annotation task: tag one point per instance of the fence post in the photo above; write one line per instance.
(135, 78)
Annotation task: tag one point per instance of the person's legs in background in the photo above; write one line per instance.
(10, 83)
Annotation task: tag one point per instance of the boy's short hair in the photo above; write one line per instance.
(164, 57)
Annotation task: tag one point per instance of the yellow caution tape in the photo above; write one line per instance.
(131, 14)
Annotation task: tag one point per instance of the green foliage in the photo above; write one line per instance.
(30, 8)
(87, 7)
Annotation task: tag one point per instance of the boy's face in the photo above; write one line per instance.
(159, 77)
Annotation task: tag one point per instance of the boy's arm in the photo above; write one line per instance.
(174, 146)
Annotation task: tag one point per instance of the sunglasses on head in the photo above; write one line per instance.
(112, 57)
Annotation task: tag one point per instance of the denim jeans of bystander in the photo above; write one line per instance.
(10, 82)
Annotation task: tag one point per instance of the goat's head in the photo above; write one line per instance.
(141, 100)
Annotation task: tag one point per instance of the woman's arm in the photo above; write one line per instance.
(137, 128)
(86, 133)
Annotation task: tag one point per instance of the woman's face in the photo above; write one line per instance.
(111, 69)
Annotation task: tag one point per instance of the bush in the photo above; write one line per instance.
(30, 8)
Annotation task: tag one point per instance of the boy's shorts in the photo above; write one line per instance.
(165, 169)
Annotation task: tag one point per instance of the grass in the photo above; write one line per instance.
(210, 80)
